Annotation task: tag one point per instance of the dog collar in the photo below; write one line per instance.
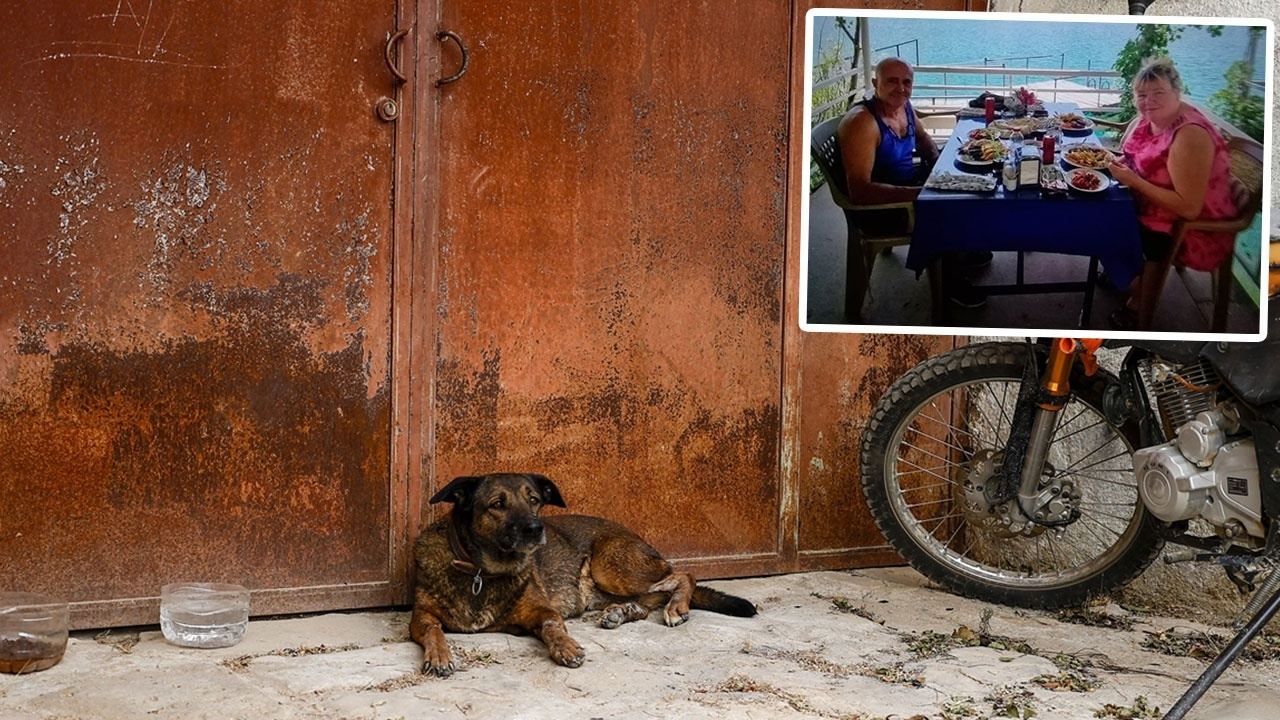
(462, 561)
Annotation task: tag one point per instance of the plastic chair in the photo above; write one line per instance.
(1246, 193)
(825, 151)
(1123, 128)
(940, 124)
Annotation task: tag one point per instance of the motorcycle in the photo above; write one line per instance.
(1026, 474)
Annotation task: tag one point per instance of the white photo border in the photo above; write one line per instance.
(803, 175)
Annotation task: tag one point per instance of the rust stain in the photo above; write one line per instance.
(660, 442)
(232, 434)
(468, 406)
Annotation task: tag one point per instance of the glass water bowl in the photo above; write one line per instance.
(204, 615)
(33, 631)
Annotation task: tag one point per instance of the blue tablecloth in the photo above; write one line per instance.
(1102, 225)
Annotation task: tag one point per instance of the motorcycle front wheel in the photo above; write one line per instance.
(935, 440)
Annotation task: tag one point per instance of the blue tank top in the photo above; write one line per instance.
(893, 164)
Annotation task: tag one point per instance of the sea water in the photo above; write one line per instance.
(1202, 58)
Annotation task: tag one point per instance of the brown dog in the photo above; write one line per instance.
(495, 565)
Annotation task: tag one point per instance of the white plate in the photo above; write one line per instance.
(1068, 148)
(1086, 130)
(960, 157)
(961, 182)
(1103, 181)
(1025, 125)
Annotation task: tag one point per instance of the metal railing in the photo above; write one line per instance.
(1097, 91)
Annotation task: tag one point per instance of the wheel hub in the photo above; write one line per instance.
(1055, 503)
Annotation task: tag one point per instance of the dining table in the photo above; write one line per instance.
(1101, 225)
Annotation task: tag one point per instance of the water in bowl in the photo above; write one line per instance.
(204, 615)
(33, 632)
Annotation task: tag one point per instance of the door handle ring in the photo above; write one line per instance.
(466, 56)
(392, 63)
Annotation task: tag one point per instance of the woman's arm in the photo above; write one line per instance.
(1190, 160)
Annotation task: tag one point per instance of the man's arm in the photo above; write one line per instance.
(859, 136)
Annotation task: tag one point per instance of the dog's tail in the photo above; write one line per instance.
(705, 598)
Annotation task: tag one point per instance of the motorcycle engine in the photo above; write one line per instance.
(1203, 472)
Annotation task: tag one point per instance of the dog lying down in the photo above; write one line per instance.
(495, 565)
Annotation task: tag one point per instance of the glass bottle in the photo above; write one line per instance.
(1015, 142)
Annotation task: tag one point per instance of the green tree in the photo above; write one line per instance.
(1236, 102)
(1152, 42)
(830, 64)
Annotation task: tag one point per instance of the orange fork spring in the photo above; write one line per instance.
(1057, 374)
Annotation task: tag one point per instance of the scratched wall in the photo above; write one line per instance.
(195, 229)
(196, 330)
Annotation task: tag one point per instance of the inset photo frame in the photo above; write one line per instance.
(1033, 174)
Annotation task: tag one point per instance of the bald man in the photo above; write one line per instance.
(878, 137)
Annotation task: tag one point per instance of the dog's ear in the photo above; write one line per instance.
(550, 493)
(460, 491)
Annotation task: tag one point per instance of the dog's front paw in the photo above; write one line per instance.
(674, 617)
(439, 663)
(440, 671)
(568, 653)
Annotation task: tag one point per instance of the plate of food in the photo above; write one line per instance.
(1087, 181)
(984, 134)
(981, 152)
(1075, 124)
(961, 182)
(1090, 157)
(1046, 123)
(1025, 125)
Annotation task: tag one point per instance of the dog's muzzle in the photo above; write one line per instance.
(528, 532)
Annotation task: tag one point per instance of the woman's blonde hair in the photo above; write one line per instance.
(1157, 69)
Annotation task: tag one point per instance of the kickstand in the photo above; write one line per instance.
(1225, 658)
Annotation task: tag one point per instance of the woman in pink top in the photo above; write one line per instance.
(1177, 165)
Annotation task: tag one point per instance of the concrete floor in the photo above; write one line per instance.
(897, 297)
(857, 645)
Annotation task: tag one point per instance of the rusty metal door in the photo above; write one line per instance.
(196, 302)
(246, 326)
(609, 218)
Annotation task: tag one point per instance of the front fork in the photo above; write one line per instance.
(1035, 419)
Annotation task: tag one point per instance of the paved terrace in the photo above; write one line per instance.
(852, 645)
